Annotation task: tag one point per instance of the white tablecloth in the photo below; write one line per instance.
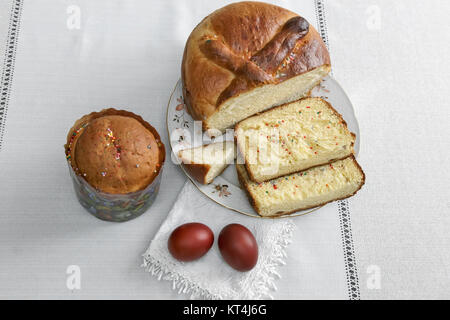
(391, 58)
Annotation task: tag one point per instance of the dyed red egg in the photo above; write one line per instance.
(190, 241)
(238, 247)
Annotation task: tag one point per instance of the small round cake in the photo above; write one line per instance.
(115, 156)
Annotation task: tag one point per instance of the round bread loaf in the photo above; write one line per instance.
(115, 151)
(247, 57)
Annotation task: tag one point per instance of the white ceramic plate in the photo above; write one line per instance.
(225, 189)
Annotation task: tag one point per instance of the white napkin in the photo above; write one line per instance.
(211, 277)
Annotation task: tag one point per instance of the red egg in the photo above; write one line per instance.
(190, 241)
(238, 247)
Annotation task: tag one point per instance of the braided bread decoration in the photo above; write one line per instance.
(241, 47)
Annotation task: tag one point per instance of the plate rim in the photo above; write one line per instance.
(255, 215)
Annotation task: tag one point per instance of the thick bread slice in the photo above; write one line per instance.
(292, 138)
(304, 190)
(207, 162)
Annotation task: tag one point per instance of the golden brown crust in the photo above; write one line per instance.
(115, 151)
(199, 174)
(244, 186)
(242, 46)
(197, 171)
(253, 202)
(250, 174)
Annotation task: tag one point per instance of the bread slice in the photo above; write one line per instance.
(292, 138)
(304, 190)
(204, 163)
